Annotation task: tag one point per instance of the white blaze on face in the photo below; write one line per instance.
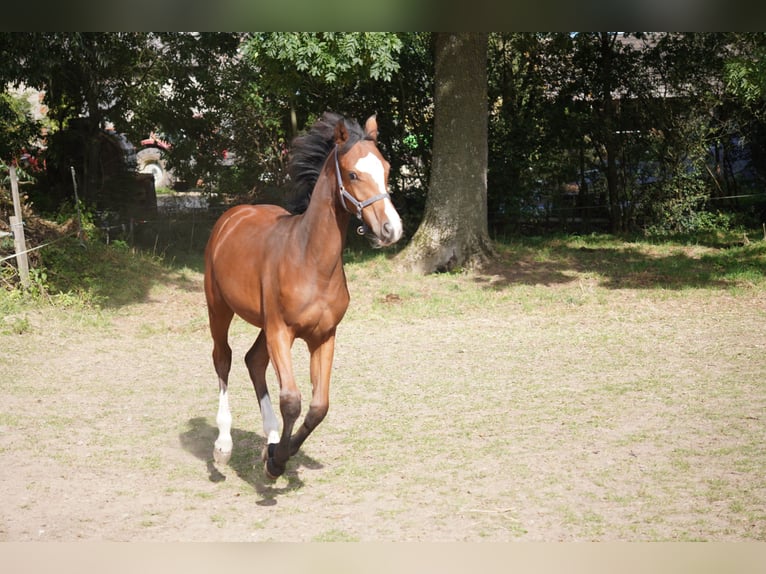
(371, 165)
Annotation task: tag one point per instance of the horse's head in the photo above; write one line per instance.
(362, 174)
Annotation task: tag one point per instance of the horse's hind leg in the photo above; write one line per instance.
(220, 318)
(257, 359)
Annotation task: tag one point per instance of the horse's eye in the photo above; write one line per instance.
(352, 176)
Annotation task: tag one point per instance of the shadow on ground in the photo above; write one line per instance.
(110, 276)
(245, 461)
(623, 265)
(113, 276)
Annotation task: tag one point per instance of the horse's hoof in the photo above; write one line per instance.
(268, 451)
(272, 470)
(220, 456)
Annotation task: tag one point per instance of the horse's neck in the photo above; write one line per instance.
(325, 224)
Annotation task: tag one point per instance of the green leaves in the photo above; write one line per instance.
(17, 125)
(330, 56)
(745, 72)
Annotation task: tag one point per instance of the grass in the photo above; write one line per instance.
(113, 276)
(335, 535)
(603, 306)
(580, 388)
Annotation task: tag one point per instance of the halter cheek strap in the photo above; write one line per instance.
(359, 205)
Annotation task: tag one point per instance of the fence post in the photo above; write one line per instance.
(17, 228)
(80, 233)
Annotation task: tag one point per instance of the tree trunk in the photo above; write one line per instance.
(454, 231)
(609, 121)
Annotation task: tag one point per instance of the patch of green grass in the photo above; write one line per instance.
(15, 325)
(147, 330)
(10, 419)
(75, 276)
(335, 535)
(638, 263)
(680, 460)
(104, 275)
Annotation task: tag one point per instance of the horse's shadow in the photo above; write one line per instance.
(245, 460)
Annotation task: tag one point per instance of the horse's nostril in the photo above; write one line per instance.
(388, 230)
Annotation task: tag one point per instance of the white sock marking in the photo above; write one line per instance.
(223, 420)
(270, 423)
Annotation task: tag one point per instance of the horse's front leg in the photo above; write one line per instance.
(279, 343)
(321, 366)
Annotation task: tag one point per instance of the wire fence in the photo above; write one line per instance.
(186, 229)
(33, 249)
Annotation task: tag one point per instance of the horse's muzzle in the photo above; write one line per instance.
(389, 234)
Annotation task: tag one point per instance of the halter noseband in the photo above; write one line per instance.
(360, 205)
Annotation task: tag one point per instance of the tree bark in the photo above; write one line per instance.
(609, 120)
(454, 231)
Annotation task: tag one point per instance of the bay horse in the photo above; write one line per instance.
(283, 272)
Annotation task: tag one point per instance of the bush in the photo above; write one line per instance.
(679, 206)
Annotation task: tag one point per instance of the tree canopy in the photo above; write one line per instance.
(654, 131)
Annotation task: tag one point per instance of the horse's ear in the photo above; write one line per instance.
(371, 127)
(341, 132)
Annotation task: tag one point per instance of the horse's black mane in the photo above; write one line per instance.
(308, 154)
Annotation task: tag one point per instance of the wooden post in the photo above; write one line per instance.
(17, 227)
(80, 234)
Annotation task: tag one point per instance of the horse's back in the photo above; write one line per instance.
(245, 218)
(238, 251)
(240, 230)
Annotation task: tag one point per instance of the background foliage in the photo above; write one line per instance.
(588, 131)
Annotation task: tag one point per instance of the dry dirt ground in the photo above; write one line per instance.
(463, 408)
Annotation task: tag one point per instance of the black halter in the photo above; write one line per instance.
(360, 205)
